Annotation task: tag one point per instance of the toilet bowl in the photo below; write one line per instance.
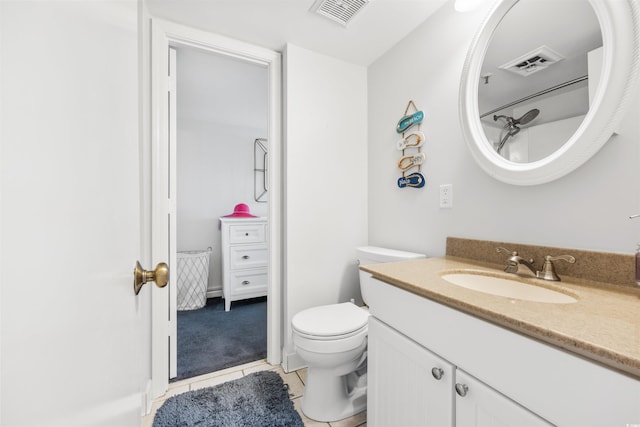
(332, 340)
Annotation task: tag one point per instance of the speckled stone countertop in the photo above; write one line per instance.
(603, 325)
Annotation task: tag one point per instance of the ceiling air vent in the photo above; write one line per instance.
(534, 61)
(340, 11)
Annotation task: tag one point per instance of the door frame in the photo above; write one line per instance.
(163, 35)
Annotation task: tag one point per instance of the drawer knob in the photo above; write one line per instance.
(245, 282)
(437, 373)
(246, 234)
(245, 257)
(461, 389)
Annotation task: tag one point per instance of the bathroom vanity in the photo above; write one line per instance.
(443, 355)
(244, 258)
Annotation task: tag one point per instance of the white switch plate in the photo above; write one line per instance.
(446, 196)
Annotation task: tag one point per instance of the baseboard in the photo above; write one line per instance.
(292, 362)
(214, 293)
(147, 400)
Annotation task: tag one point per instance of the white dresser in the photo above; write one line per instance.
(244, 258)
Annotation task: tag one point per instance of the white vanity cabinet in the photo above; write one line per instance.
(244, 258)
(410, 386)
(510, 379)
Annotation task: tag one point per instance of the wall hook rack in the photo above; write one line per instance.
(411, 147)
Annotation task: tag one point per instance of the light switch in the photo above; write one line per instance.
(446, 196)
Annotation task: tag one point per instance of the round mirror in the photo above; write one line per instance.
(546, 83)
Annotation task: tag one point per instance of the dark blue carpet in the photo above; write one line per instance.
(210, 339)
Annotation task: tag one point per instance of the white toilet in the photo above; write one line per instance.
(332, 340)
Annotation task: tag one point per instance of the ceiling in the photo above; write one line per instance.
(378, 26)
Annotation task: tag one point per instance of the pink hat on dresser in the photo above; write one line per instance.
(240, 211)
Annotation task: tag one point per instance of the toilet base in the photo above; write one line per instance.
(328, 397)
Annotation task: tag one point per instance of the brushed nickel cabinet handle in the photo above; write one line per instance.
(462, 389)
(437, 373)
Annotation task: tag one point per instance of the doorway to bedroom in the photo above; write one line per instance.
(221, 119)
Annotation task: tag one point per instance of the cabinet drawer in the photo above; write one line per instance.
(249, 282)
(242, 257)
(249, 233)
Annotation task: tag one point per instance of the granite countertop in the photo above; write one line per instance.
(603, 325)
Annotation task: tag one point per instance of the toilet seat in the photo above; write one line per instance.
(331, 337)
(331, 345)
(330, 322)
(331, 328)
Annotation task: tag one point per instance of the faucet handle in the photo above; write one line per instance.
(548, 271)
(512, 253)
(570, 259)
(506, 251)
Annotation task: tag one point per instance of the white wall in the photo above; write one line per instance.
(545, 139)
(588, 209)
(326, 182)
(222, 109)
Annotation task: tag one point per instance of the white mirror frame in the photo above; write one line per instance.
(620, 26)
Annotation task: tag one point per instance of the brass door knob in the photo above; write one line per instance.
(140, 276)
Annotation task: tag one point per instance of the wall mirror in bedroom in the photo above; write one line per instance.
(537, 101)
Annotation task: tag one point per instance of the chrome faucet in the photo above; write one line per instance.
(548, 271)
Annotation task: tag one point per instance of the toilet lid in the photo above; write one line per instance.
(330, 320)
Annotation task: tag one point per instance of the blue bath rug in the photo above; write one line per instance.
(256, 400)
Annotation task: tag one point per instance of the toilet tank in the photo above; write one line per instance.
(375, 255)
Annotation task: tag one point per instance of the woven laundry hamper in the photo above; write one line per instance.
(193, 277)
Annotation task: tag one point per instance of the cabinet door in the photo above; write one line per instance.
(402, 389)
(478, 405)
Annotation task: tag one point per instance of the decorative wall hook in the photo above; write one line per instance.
(411, 147)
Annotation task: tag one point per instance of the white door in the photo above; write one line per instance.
(75, 346)
(478, 405)
(407, 384)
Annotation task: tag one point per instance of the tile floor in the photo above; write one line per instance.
(295, 380)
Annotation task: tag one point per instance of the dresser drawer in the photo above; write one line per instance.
(247, 233)
(247, 256)
(249, 282)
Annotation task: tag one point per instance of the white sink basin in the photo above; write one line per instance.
(489, 284)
